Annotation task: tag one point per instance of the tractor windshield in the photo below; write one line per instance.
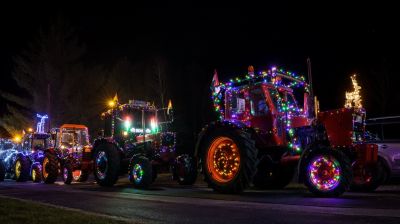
(138, 122)
(258, 103)
(72, 137)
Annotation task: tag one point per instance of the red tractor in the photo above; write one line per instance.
(263, 136)
(73, 153)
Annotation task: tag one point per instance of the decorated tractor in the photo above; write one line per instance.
(263, 136)
(74, 152)
(25, 162)
(137, 141)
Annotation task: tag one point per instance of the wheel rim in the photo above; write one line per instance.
(137, 173)
(33, 175)
(76, 174)
(17, 168)
(45, 167)
(65, 173)
(101, 165)
(223, 159)
(324, 173)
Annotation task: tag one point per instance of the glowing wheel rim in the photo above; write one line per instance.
(137, 173)
(101, 165)
(223, 160)
(324, 173)
(45, 164)
(33, 175)
(18, 169)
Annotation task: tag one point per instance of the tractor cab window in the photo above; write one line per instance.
(73, 137)
(258, 102)
(236, 104)
(292, 103)
(39, 144)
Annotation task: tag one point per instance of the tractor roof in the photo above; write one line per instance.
(273, 76)
(133, 105)
(75, 126)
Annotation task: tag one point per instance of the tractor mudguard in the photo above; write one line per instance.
(206, 130)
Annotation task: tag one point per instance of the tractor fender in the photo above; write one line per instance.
(102, 140)
(209, 128)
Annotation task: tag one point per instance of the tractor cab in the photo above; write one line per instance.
(267, 103)
(137, 121)
(71, 138)
(34, 142)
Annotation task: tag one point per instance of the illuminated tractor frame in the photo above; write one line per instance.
(262, 136)
(136, 142)
(8, 154)
(26, 162)
(74, 152)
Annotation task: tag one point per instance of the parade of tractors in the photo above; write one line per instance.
(269, 133)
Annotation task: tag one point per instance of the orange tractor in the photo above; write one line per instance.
(72, 151)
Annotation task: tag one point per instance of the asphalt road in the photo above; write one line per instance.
(167, 202)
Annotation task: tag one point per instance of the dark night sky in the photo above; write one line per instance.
(339, 41)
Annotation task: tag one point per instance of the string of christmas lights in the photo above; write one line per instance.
(279, 78)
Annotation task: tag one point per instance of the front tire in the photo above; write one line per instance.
(50, 168)
(140, 172)
(36, 173)
(229, 160)
(21, 168)
(106, 165)
(328, 172)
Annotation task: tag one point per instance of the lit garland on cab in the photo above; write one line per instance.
(272, 76)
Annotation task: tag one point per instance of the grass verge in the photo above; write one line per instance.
(17, 211)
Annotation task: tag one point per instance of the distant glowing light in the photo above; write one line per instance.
(127, 123)
(153, 125)
(111, 103)
(17, 139)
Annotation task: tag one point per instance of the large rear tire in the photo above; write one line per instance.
(50, 168)
(228, 160)
(140, 172)
(21, 168)
(328, 172)
(106, 164)
(272, 175)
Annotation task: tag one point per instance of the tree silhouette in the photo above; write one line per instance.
(46, 70)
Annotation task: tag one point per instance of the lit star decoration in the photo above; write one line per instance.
(279, 78)
(353, 99)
